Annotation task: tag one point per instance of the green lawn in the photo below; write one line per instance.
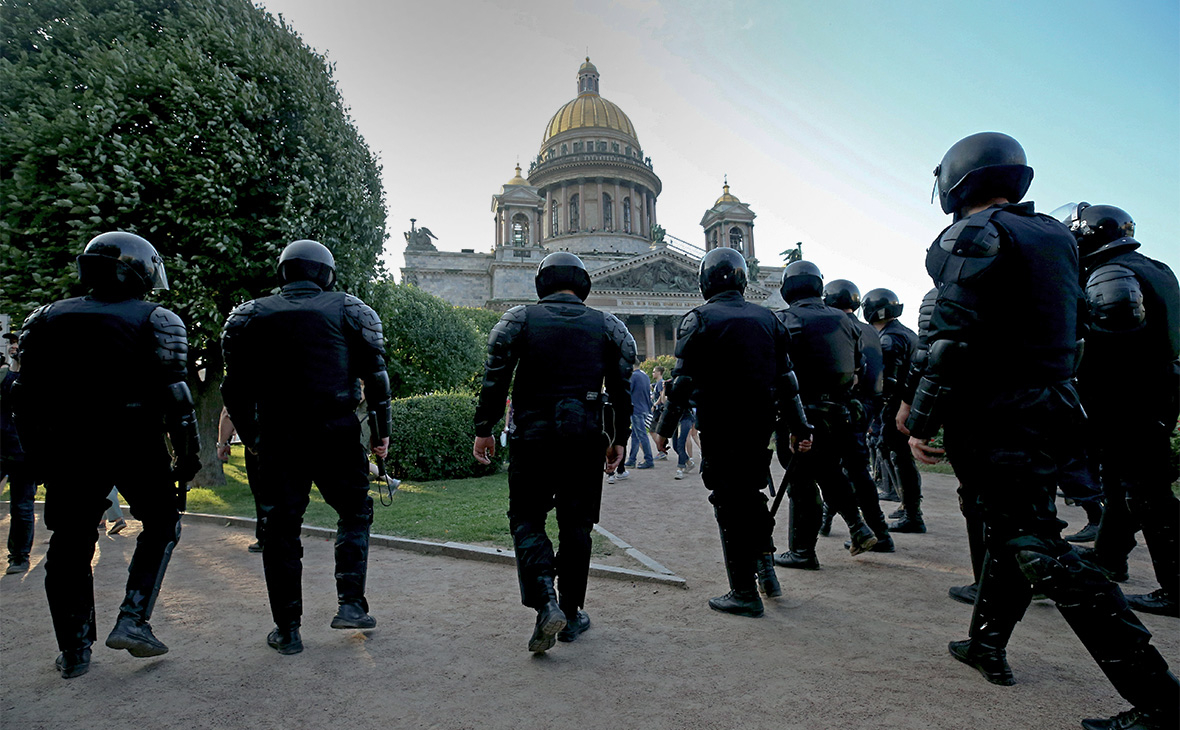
(459, 510)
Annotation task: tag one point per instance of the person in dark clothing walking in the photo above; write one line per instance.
(898, 344)
(22, 490)
(293, 366)
(563, 354)
(866, 412)
(138, 390)
(714, 338)
(1131, 358)
(827, 353)
(1011, 415)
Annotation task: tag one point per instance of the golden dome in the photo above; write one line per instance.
(588, 110)
(726, 197)
(517, 180)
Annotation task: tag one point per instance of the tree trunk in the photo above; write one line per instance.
(207, 394)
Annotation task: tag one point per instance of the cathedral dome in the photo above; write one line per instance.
(588, 110)
(726, 196)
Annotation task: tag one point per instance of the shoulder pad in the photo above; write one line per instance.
(1116, 299)
(973, 237)
(36, 315)
(171, 340)
(689, 324)
(517, 314)
(365, 319)
(888, 341)
(240, 315)
(617, 332)
(510, 325)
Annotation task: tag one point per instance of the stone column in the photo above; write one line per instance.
(649, 334)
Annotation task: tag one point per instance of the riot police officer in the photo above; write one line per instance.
(827, 352)
(735, 432)
(842, 294)
(563, 354)
(1011, 414)
(1130, 375)
(134, 386)
(898, 343)
(293, 366)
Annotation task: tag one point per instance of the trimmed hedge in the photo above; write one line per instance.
(432, 437)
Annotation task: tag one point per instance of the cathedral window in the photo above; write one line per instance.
(602, 146)
(554, 221)
(735, 238)
(573, 216)
(626, 215)
(520, 230)
(564, 149)
(577, 146)
(608, 213)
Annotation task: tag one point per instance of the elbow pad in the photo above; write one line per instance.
(181, 421)
(926, 412)
(380, 411)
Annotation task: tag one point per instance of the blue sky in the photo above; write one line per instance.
(828, 117)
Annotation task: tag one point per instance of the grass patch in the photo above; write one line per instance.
(453, 510)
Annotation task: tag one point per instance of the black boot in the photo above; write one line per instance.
(353, 615)
(550, 620)
(964, 594)
(741, 567)
(1004, 595)
(911, 522)
(1157, 602)
(1086, 534)
(897, 514)
(144, 577)
(1113, 569)
(134, 634)
(73, 663)
(802, 535)
(767, 580)
(1129, 720)
(884, 545)
(825, 527)
(862, 540)
(285, 639)
(577, 623)
(799, 560)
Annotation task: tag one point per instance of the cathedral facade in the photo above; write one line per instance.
(591, 191)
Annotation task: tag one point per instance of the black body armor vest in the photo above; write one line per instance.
(824, 347)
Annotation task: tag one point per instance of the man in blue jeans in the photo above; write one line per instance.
(641, 411)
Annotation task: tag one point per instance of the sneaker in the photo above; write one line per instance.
(645, 465)
(621, 475)
(688, 467)
(629, 463)
(255, 547)
(17, 565)
(662, 456)
(610, 478)
(119, 526)
(679, 474)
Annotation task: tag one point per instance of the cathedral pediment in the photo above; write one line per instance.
(657, 272)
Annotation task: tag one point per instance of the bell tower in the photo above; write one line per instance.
(729, 223)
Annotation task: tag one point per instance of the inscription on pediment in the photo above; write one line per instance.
(659, 276)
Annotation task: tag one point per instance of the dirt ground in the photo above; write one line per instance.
(859, 644)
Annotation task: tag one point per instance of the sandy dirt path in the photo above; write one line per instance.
(859, 644)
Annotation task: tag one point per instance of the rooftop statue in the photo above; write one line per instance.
(418, 239)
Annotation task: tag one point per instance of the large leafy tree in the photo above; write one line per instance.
(206, 126)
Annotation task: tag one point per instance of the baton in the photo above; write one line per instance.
(391, 484)
(182, 496)
(782, 487)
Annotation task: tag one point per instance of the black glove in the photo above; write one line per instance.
(185, 468)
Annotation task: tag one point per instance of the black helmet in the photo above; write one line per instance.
(1100, 228)
(980, 167)
(562, 270)
(801, 279)
(306, 260)
(842, 294)
(723, 269)
(881, 304)
(121, 264)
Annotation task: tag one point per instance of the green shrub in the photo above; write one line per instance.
(649, 365)
(432, 436)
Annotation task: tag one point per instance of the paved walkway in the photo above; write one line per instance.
(859, 644)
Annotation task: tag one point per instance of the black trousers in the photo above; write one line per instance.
(895, 447)
(1012, 443)
(22, 493)
(564, 474)
(821, 468)
(331, 455)
(74, 502)
(734, 469)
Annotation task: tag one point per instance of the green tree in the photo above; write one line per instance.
(432, 347)
(207, 127)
